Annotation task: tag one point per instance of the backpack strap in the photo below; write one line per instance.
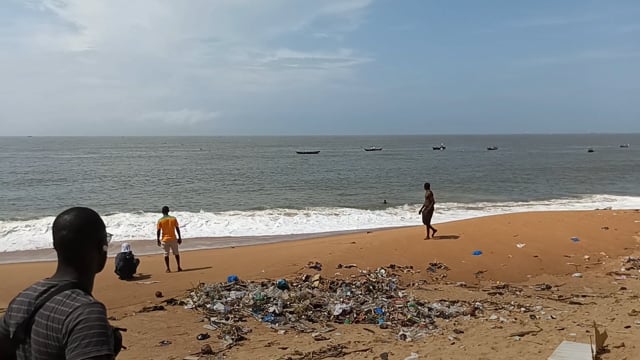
(23, 330)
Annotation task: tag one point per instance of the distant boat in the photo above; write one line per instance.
(308, 152)
(590, 150)
(441, 147)
(373, 148)
(624, 146)
(492, 148)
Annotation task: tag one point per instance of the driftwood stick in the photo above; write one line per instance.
(526, 332)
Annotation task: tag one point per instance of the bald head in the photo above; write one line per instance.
(78, 233)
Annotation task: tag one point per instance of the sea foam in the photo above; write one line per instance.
(36, 233)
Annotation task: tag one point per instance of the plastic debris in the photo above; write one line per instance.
(308, 304)
(326, 352)
(232, 278)
(520, 245)
(437, 266)
(477, 253)
(206, 350)
(151, 308)
(346, 266)
(630, 263)
(575, 239)
(577, 275)
(319, 337)
(542, 287)
(282, 284)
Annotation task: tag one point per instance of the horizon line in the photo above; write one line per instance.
(327, 135)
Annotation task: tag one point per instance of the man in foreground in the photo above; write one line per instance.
(168, 227)
(67, 322)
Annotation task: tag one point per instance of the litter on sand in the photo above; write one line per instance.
(309, 303)
(569, 350)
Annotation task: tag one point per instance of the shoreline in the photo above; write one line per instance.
(148, 247)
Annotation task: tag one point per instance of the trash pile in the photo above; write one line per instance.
(311, 303)
(630, 263)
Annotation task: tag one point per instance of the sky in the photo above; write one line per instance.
(318, 67)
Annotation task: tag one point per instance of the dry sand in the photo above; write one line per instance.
(549, 256)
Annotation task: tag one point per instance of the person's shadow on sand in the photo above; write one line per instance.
(446, 237)
(196, 269)
(139, 277)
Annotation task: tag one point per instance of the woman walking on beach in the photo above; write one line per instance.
(427, 210)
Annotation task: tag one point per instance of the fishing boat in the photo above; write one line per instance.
(441, 147)
(590, 150)
(492, 148)
(308, 152)
(624, 146)
(373, 148)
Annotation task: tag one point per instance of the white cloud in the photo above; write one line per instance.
(91, 61)
(318, 60)
(179, 117)
(582, 56)
(559, 20)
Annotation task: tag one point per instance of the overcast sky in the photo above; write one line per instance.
(287, 67)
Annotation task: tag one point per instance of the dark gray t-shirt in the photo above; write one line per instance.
(72, 325)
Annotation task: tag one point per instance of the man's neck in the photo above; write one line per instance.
(84, 280)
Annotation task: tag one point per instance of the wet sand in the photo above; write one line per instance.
(548, 255)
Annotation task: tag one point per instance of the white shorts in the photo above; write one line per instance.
(170, 245)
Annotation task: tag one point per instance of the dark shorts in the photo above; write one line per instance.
(426, 216)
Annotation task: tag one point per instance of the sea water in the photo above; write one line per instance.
(258, 186)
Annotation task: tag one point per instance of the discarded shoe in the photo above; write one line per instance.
(203, 336)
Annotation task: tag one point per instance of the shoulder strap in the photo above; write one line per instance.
(23, 330)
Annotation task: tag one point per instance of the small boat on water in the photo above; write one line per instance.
(308, 152)
(492, 148)
(624, 146)
(590, 150)
(373, 148)
(441, 147)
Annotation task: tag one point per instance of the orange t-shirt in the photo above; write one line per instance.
(168, 225)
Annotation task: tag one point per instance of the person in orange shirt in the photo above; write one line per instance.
(168, 227)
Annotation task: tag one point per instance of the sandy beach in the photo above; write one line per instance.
(519, 249)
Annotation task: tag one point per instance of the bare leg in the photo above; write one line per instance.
(434, 231)
(427, 223)
(178, 262)
(166, 262)
(427, 227)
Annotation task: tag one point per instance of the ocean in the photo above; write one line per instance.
(258, 187)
